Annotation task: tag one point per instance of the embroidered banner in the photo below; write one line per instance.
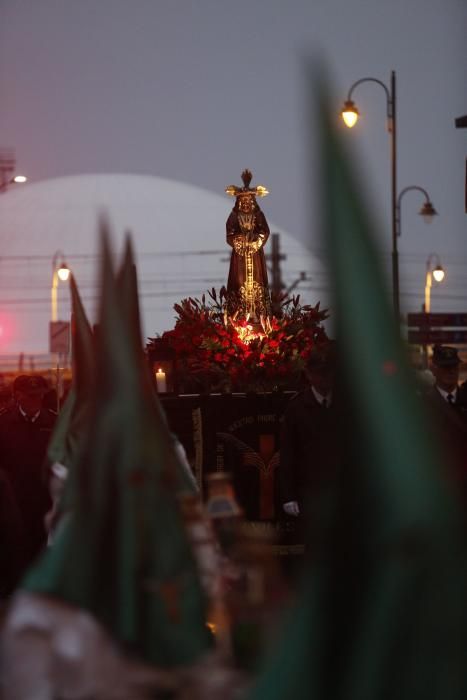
(240, 434)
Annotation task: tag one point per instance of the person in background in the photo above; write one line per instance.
(447, 406)
(25, 430)
(445, 365)
(308, 451)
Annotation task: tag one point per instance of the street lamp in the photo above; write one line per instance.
(59, 272)
(17, 180)
(427, 212)
(432, 273)
(7, 167)
(350, 115)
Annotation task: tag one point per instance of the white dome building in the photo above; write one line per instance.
(178, 234)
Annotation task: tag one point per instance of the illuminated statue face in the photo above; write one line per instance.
(246, 204)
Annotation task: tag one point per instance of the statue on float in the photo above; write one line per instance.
(247, 233)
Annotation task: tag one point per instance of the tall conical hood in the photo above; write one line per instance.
(74, 415)
(82, 345)
(127, 283)
(123, 554)
(382, 609)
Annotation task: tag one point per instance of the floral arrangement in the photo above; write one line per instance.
(222, 352)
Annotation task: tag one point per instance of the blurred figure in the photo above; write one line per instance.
(6, 397)
(25, 429)
(11, 534)
(50, 400)
(308, 451)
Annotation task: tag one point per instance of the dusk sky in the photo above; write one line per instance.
(197, 91)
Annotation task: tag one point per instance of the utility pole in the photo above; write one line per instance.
(7, 168)
(276, 285)
(275, 258)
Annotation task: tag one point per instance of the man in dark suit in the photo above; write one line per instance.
(445, 369)
(308, 453)
(448, 410)
(25, 430)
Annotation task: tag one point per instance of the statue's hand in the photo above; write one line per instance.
(256, 241)
(239, 245)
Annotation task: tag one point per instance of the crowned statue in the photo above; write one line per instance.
(247, 233)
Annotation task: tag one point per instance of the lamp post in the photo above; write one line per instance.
(432, 273)
(436, 273)
(59, 332)
(350, 115)
(427, 211)
(59, 272)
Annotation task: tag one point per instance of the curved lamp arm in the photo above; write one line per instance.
(412, 187)
(389, 98)
(427, 210)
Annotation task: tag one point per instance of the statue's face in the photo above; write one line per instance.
(246, 204)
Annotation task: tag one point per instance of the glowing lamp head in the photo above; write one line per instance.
(63, 272)
(20, 179)
(350, 114)
(428, 212)
(438, 273)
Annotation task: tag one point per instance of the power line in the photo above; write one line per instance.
(320, 253)
(96, 256)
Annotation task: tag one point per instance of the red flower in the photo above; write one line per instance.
(202, 341)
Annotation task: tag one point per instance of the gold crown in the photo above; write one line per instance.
(258, 191)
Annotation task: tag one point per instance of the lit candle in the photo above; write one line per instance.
(161, 381)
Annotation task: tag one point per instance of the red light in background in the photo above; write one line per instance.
(7, 329)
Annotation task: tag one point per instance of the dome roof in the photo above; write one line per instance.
(178, 233)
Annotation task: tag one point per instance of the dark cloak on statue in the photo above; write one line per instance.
(247, 233)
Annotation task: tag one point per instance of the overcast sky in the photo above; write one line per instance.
(198, 90)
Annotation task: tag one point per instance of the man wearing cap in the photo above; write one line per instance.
(308, 453)
(445, 369)
(449, 409)
(25, 430)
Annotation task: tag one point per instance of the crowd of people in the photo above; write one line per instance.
(26, 425)
(312, 447)
(316, 422)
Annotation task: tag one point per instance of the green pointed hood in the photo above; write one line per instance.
(123, 553)
(72, 420)
(382, 608)
(127, 284)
